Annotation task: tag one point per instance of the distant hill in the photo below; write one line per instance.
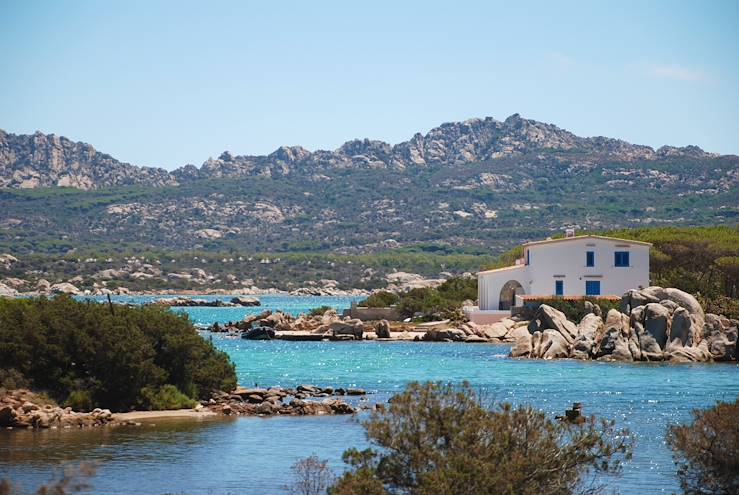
(481, 182)
(39, 160)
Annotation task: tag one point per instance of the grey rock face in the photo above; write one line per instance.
(588, 330)
(383, 329)
(681, 328)
(549, 318)
(658, 330)
(675, 298)
(656, 321)
(41, 160)
(550, 344)
(523, 346)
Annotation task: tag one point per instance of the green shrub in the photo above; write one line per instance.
(443, 302)
(12, 379)
(319, 311)
(380, 299)
(706, 451)
(441, 439)
(167, 397)
(79, 400)
(63, 346)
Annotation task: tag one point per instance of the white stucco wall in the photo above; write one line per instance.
(565, 260)
(490, 283)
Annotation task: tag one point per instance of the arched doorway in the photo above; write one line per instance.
(508, 294)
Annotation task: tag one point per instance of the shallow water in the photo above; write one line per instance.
(206, 316)
(254, 455)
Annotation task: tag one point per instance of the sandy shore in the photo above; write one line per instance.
(173, 413)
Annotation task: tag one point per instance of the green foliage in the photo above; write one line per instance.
(706, 451)
(166, 397)
(380, 299)
(11, 378)
(312, 476)
(441, 439)
(79, 400)
(319, 311)
(63, 346)
(441, 302)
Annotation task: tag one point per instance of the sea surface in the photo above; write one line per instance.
(254, 455)
(206, 316)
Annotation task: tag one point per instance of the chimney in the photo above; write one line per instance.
(570, 233)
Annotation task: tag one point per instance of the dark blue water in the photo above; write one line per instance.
(254, 455)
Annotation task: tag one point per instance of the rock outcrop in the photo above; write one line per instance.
(45, 160)
(214, 303)
(41, 160)
(299, 401)
(653, 324)
(24, 409)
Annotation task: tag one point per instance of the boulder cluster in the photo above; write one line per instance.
(329, 326)
(652, 324)
(215, 303)
(503, 332)
(23, 409)
(299, 401)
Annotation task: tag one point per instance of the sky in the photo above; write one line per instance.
(165, 83)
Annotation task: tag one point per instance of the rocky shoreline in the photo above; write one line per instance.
(237, 301)
(652, 324)
(332, 327)
(24, 409)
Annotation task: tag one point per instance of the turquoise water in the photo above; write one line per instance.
(254, 455)
(205, 316)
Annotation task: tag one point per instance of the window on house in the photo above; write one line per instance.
(559, 288)
(590, 258)
(592, 287)
(621, 258)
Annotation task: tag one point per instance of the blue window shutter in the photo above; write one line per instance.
(621, 258)
(590, 258)
(592, 288)
(559, 288)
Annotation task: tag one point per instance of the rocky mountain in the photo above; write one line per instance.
(42, 160)
(482, 184)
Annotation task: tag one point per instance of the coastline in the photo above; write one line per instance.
(135, 416)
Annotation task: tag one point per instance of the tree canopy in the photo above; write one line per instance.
(119, 357)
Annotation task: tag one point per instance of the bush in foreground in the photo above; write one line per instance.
(441, 439)
(706, 451)
(88, 354)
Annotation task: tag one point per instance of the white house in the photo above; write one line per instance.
(587, 265)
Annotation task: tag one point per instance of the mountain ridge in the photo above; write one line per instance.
(47, 160)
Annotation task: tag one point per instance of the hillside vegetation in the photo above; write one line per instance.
(88, 355)
(481, 182)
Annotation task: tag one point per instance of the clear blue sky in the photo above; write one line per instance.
(169, 83)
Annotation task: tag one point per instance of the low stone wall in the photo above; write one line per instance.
(373, 314)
